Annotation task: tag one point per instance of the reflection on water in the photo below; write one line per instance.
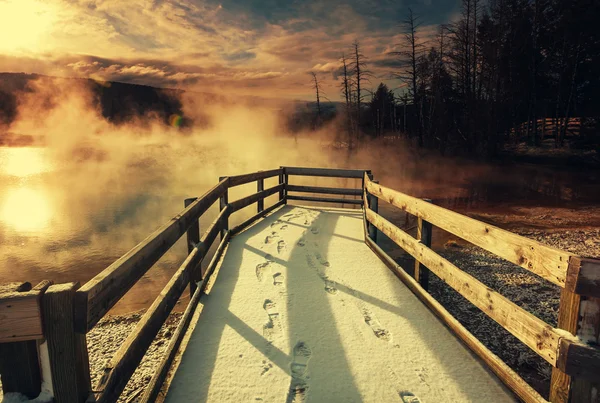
(25, 209)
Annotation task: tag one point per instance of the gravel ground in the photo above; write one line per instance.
(108, 335)
(529, 291)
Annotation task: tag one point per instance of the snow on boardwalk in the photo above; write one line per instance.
(302, 311)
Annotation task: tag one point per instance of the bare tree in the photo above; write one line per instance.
(317, 89)
(361, 75)
(410, 58)
(346, 87)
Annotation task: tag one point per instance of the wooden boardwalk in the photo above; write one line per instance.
(304, 276)
(304, 307)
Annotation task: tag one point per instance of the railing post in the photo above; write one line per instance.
(424, 230)
(580, 315)
(373, 205)
(260, 186)
(283, 178)
(223, 201)
(193, 238)
(67, 350)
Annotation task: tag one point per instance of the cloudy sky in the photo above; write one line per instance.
(261, 47)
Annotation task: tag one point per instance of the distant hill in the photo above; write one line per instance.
(121, 102)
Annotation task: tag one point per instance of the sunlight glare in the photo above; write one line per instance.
(24, 24)
(26, 210)
(23, 162)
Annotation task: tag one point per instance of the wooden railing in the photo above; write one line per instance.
(576, 360)
(70, 311)
(64, 313)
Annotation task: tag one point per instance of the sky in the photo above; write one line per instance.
(251, 47)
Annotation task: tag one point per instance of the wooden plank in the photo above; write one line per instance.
(283, 179)
(20, 312)
(223, 201)
(506, 374)
(579, 360)
(263, 213)
(20, 369)
(325, 200)
(535, 333)
(568, 319)
(546, 262)
(153, 388)
(260, 204)
(373, 205)
(67, 350)
(246, 201)
(101, 293)
(213, 230)
(585, 390)
(583, 276)
(325, 172)
(123, 364)
(193, 237)
(251, 177)
(324, 190)
(424, 232)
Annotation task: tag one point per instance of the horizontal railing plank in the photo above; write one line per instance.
(548, 263)
(101, 293)
(256, 217)
(325, 172)
(325, 199)
(246, 201)
(534, 332)
(324, 190)
(153, 388)
(123, 364)
(506, 374)
(251, 177)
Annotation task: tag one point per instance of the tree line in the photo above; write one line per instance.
(505, 72)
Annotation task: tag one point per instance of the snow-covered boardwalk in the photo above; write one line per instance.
(302, 310)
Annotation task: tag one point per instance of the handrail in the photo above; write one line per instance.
(579, 311)
(251, 177)
(123, 364)
(545, 261)
(499, 367)
(326, 172)
(318, 189)
(534, 332)
(96, 297)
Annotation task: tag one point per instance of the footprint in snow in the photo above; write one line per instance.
(299, 366)
(280, 246)
(301, 242)
(321, 259)
(373, 322)
(261, 268)
(408, 397)
(270, 238)
(273, 325)
(315, 230)
(266, 366)
(277, 279)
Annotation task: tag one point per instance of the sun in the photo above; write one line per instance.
(25, 24)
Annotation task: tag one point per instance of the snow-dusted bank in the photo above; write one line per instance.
(302, 310)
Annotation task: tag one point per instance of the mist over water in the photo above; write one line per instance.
(90, 191)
